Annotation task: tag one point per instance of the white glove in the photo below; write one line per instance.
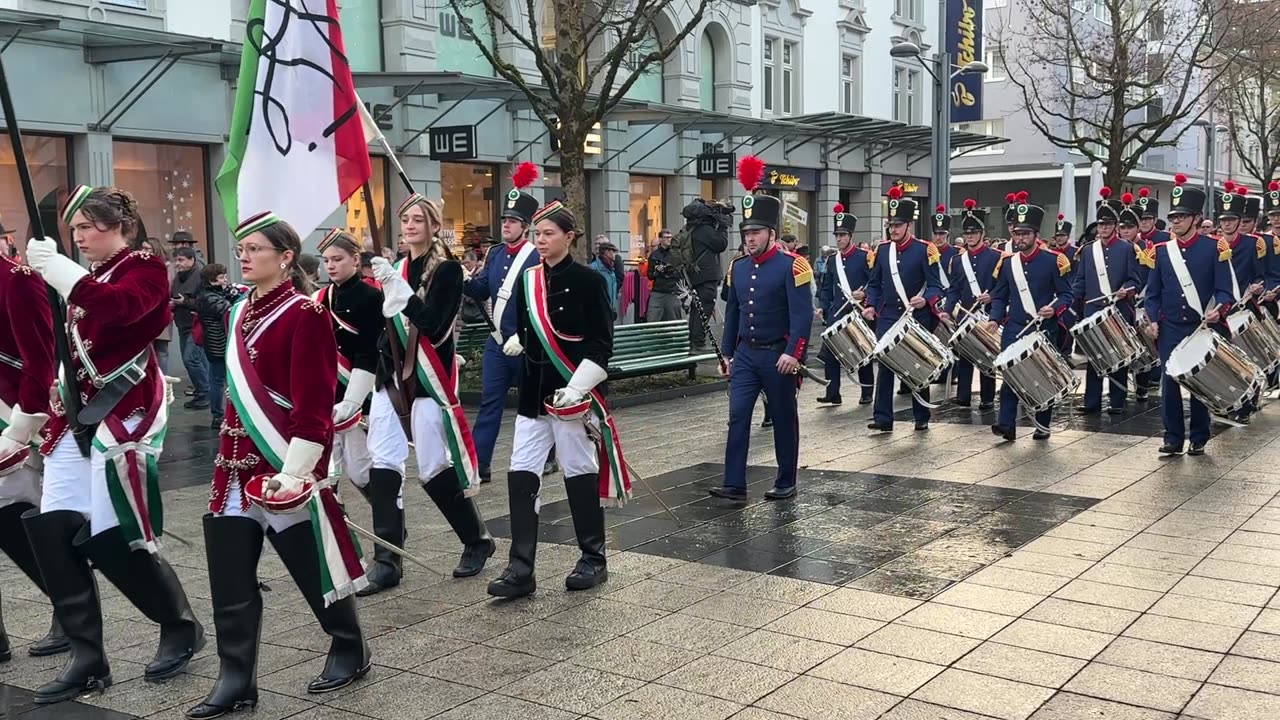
(586, 377)
(395, 291)
(512, 347)
(59, 271)
(299, 462)
(344, 411)
(16, 439)
(358, 388)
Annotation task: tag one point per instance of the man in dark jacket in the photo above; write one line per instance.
(183, 292)
(664, 303)
(709, 226)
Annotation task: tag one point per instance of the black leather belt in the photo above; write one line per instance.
(778, 345)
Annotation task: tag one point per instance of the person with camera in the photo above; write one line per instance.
(707, 226)
(664, 303)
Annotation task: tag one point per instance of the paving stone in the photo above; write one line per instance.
(1258, 645)
(777, 650)
(1058, 565)
(1068, 548)
(739, 610)
(1248, 673)
(550, 640)
(727, 679)
(1020, 580)
(1215, 702)
(571, 687)
(988, 599)
(1268, 621)
(1067, 706)
(1159, 658)
(918, 644)
(1224, 590)
(656, 702)
(634, 658)
(1239, 572)
(917, 710)
(1082, 615)
(1059, 639)
(876, 606)
(1202, 610)
(956, 621)
(875, 671)
(983, 694)
(500, 707)
(1021, 664)
(487, 668)
(1134, 687)
(406, 697)
(1131, 577)
(1187, 633)
(691, 633)
(1109, 595)
(813, 698)
(660, 595)
(707, 577)
(782, 589)
(825, 626)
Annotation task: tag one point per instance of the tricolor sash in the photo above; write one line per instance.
(441, 383)
(265, 417)
(615, 480)
(324, 296)
(132, 468)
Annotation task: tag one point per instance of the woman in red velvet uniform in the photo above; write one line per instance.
(26, 373)
(282, 374)
(105, 508)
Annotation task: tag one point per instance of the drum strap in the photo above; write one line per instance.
(843, 276)
(1235, 279)
(893, 272)
(942, 273)
(1180, 271)
(1020, 282)
(1100, 268)
(972, 276)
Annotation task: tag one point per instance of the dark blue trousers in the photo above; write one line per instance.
(499, 373)
(1175, 429)
(883, 408)
(753, 371)
(833, 372)
(1093, 388)
(964, 383)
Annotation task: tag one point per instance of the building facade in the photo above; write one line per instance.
(139, 93)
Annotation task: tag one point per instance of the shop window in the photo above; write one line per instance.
(47, 158)
(646, 211)
(468, 205)
(168, 181)
(648, 87)
(358, 213)
(361, 22)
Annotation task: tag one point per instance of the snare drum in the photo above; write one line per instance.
(1254, 336)
(1150, 359)
(1107, 340)
(914, 354)
(1216, 372)
(1036, 371)
(851, 341)
(975, 342)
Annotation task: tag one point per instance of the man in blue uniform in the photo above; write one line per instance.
(1032, 286)
(1201, 265)
(1061, 240)
(1248, 256)
(1149, 235)
(1107, 268)
(495, 283)
(940, 224)
(766, 332)
(849, 268)
(972, 274)
(905, 277)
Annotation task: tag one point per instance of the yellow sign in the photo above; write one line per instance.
(908, 188)
(781, 178)
(966, 49)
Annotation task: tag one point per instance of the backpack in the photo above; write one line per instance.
(683, 259)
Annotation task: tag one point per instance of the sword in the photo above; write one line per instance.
(390, 546)
(594, 436)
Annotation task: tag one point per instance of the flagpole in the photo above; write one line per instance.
(62, 345)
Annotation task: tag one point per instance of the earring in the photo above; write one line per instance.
(283, 266)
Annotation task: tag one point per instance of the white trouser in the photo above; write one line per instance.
(277, 522)
(389, 447)
(351, 455)
(575, 452)
(74, 482)
(22, 485)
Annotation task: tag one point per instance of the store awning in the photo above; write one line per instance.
(858, 131)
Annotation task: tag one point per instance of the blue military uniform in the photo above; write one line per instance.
(971, 273)
(1149, 208)
(1063, 227)
(499, 372)
(919, 267)
(1120, 263)
(1208, 262)
(1048, 280)
(851, 266)
(768, 313)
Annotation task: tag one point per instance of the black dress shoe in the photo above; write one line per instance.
(1005, 432)
(728, 493)
(1115, 411)
(473, 558)
(322, 684)
(885, 427)
(865, 400)
(831, 400)
(1088, 411)
(922, 425)
(1196, 449)
(511, 585)
(486, 475)
(196, 404)
(1040, 435)
(780, 493)
(962, 403)
(986, 406)
(1170, 449)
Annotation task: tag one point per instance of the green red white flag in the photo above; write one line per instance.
(297, 145)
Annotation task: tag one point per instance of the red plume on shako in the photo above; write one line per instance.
(1143, 192)
(1023, 196)
(1127, 198)
(1105, 192)
(1061, 216)
(1010, 198)
(750, 172)
(839, 208)
(970, 204)
(525, 175)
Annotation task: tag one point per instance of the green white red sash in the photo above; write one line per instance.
(615, 480)
(441, 383)
(325, 297)
(132, 468)
(266, 420)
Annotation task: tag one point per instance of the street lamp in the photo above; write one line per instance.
(943, 73)
(1211, 130)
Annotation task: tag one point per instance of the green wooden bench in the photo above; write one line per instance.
(639, 349)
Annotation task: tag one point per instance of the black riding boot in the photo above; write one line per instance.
(348, 659)
(588, 525)
(464, 518)
(148, 581)
(232, 547)
(69, 582)
(517, 580)
(14, 543)
(383, 494)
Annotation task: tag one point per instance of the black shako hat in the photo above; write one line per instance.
(941, 221)
(972, 218)
(901, 209)
(1185, 199)
(845, 221)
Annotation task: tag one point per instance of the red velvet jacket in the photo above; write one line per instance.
(27, 360)
(296, 357)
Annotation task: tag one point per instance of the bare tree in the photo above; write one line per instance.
(601, 48)
(1249, 99)
(1114, 79)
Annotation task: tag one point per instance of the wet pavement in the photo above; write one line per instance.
(917, 575)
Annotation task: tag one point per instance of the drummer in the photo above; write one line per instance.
(1032, 286)
(1107, 276)
(905, 273)
(940, 223)
(1203, 267)
(972, 273)
(1150, 232)
(1248, 257)
(1061, 242)
(850, 266)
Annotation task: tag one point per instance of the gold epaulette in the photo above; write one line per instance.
(1224, 249)
(1064, 263)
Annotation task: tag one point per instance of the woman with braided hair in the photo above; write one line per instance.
(422, 295)
(104, 508)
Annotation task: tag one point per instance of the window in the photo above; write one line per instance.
(909, 10)
(47, 157)
(361, 22)
(988, 4)
(995, 61)
(1101, 12)
(906, 100)
(707, 80)
(646, 208)
(982, 127)
(358, 212)
(789, 52)
(468, 209)
(769, 48)
(169, 184)
(456, 50)
(913, 101)
(850, 84)
(1081, 6)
